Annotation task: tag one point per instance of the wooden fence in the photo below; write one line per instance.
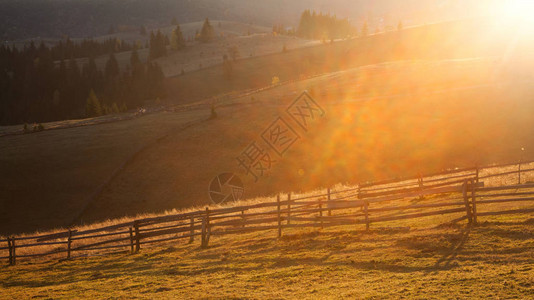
(462, 193)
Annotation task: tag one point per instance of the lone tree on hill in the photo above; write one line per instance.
(177, 39)
(207, 33)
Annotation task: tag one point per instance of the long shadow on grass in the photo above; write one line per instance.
(445, 261)
(388, 250)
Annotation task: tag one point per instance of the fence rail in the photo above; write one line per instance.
(451, 192)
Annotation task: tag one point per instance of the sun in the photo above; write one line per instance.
(517, 11)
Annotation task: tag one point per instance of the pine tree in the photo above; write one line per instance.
(93, 107)
(112, 67)
(206, 33)
(115, 108)
(177, 39)
(152, 45)
(161, 41)
(304, 29)
(134, 58)
(157, 45)
(320, 26)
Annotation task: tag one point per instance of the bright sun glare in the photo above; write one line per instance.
(519, 12)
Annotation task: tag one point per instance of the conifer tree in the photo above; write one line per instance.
(134, 58)
(177, 39)
(93, 107)
(115, 108)
(112, 67)
(206, 33)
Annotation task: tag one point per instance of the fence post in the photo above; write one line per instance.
(137, 237)
(289, 208)
(203, 235)
(131, 240)
(208, 227)
(10, 251)
(69, 243)
(366, 211)
(359, 196)
(321, 211)
(466, 201)
(329, 204)
(519, 173)
(421, 187)
(477, 171)
(192, 230)
(473, 201)
(14, 258)
(279, 216)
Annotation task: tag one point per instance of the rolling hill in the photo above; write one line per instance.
(427, 106)
(23, 19)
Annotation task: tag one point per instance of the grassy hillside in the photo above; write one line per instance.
(49, 177)
(381, 121)
(431, 42)
(250, 40)
(377, 125)
(415, 260)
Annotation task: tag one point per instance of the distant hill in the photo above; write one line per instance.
(22, 19)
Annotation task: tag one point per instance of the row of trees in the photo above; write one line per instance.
(158, 42)
(323, 26)
(36, 88)
(42, 84)
(85, 48)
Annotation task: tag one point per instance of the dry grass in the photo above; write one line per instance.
(339, 192)
(63, 168)
(375, 125)
(403, 260)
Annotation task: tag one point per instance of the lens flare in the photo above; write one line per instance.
(519, 12)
